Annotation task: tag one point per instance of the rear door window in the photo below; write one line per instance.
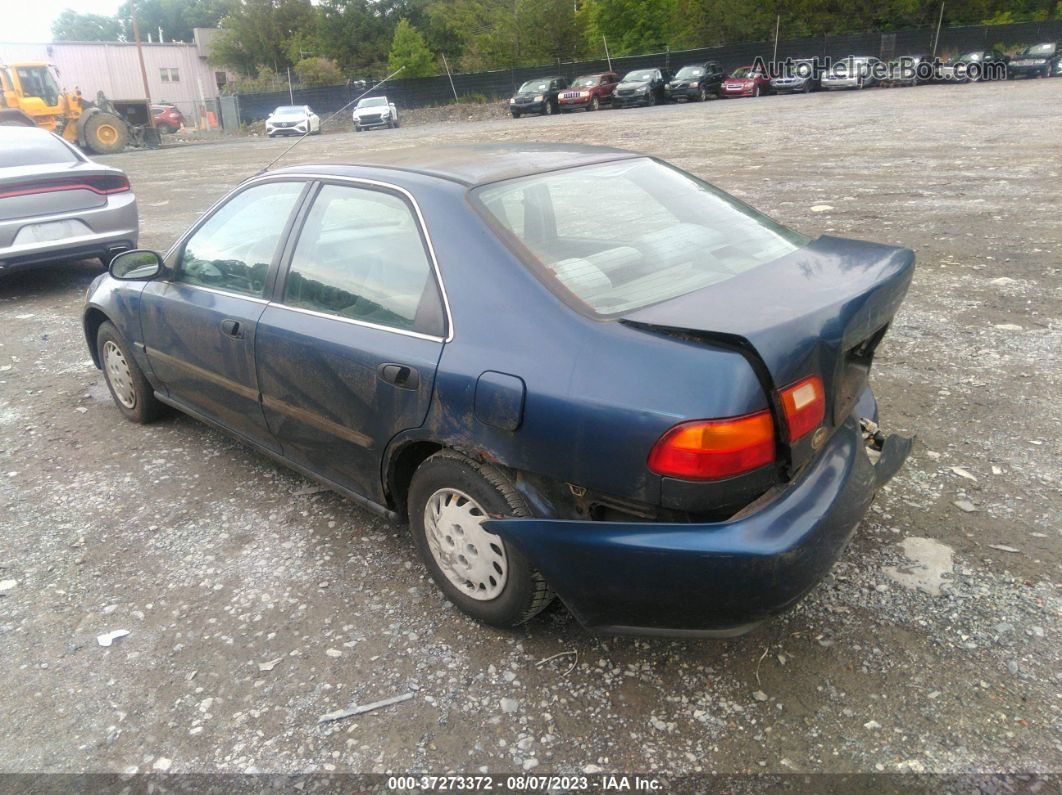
(360, 256)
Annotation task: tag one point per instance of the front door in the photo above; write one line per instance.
(199, 327)
(346, 353)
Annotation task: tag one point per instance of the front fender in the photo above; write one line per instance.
(118, 302)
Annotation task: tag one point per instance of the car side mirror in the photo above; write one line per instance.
(137, 265)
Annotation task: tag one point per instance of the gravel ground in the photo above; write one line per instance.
(255, 604)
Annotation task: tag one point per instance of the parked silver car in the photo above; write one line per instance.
(854, 72)
(56, 204)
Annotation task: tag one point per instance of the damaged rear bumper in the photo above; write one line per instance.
(712, 579)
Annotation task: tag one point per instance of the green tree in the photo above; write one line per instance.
(319, 72)
(409, 50)
(175, 18)
(256, 32)
(72, 26)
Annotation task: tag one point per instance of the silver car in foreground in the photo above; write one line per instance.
(56, 204)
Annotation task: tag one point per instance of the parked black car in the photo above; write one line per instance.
(801, 76)
(1039, 60)
(697, 82)
(975, 66)
(538, 96)
(642, 87)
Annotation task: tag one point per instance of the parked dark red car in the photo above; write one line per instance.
(167, 118)
(746, 81)
(589, 92)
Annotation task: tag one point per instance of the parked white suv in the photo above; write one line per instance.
(375, 112)
(293, 120)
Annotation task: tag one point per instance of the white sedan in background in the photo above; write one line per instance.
(293, 120)
(375, 112)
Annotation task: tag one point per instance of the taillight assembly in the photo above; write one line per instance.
(713, 449)
(804, 404)
(104, 185)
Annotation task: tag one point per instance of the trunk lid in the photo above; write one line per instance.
(28, 191)
(820, 310)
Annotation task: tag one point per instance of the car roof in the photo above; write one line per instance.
(476, 164)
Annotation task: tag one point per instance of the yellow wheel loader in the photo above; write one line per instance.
(30, 96)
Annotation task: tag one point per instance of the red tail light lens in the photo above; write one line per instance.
(102, 184)
(713, 449)
(805, 405)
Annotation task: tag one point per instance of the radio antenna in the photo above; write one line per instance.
(299, 140)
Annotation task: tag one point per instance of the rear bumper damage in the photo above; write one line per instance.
(713, 579)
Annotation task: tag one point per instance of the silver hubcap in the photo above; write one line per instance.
(118, 374)
(470, 557)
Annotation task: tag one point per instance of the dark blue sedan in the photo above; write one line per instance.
(573, 370)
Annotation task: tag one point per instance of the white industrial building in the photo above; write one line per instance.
(177, 72)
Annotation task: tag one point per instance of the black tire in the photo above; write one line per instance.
(357, 128)
(756, 91)
(146, 406)
(651, 100)
(525, 592)
(106, 134)
(806, 89)
(702, 95)
(547, 109)
(516, 115)
(595, 103)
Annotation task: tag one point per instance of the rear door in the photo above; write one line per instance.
(199, 326)
(346, 353)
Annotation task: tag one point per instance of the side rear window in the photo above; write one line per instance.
(360, 256)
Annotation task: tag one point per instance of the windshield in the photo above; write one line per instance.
(38, 81)
(690, 71)
(29, 146)
(289, 110)
(1040, 50)
(372, 102)
(641, 76)
(670, 233)
(534, 85)
(969, 56)
(585, 82)
(744, 73)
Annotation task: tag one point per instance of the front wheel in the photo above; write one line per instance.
(516, 115)
(595, 103)
(703, 94)
(547, 110)
(449, 499)
(130, 389)
(756, 91)
(106, 134)
(651, 100)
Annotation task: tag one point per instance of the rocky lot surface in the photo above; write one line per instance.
(254, 603)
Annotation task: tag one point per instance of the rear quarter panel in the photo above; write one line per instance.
(598, 393)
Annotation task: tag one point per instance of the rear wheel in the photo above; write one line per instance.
(106, 134)
(130, 389)
(449, 499)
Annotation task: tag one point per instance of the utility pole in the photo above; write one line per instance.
(291, 96)
(777, 24)
(140, 56)
(450, 76)
(607, 56)
(936, 39)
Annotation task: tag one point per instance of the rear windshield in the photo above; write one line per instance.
(31, 147)
(657, 232)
